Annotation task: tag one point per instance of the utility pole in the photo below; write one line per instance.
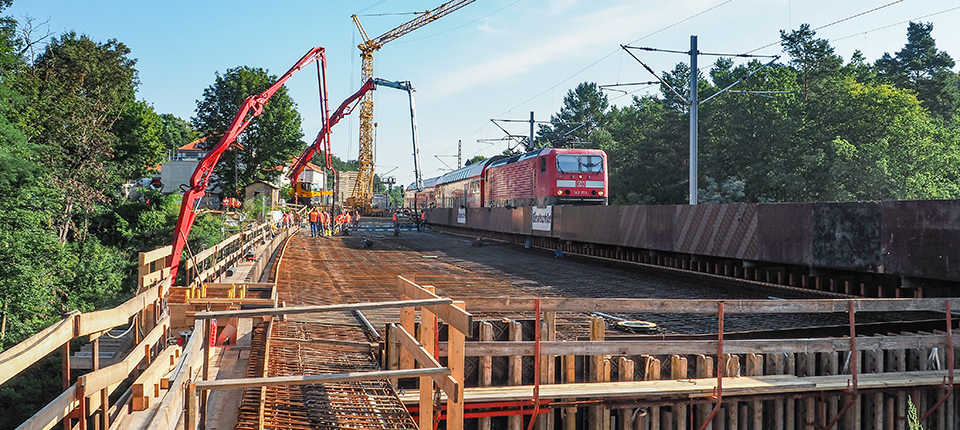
(459, 153)
(693, 101)
(693, 119)
(530, 145)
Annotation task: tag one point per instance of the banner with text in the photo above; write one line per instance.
(542, 218)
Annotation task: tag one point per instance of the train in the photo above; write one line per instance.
(548, 176)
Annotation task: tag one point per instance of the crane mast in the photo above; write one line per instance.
(362, 194)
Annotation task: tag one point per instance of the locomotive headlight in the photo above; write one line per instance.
(601, 193)
(581, 176)
(567, 192)
(559, 192)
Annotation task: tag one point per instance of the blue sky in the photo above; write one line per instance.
(491, 59)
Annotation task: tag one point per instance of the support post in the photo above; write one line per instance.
(455, 360)
(428, 332)
(693, 119)
(515, 369)
(486, 369)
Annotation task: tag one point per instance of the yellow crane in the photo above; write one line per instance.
(362, 194)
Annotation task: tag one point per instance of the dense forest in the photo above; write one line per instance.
(839, 131)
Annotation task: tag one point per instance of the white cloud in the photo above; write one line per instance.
(572, 37)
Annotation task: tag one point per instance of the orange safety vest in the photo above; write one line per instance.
(324, 217)
(314, 216)
(423, 216)
(394, 216)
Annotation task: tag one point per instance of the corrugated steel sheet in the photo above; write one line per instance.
(728, 230)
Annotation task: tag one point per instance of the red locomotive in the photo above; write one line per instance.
(548, 176)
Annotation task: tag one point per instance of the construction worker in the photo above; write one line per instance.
(356, 219)
(314, 222)
(423, 221)
(324, 222)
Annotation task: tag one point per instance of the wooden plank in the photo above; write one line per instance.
(428, 333)
(455, 361)
(549, 364)
(109, 318)
(452, 315)
(693, 347)
(143, 385)
(236, 301)
(569, 376)
(701, 388)
(620, 390)
(419, 353)
(597, 331)
(408, 321)
(678, 370)
(171, 406)
(31, 350)
(486, 370)
(652, 372)
(228, 384)
(113, 374)
(705, 307)
(755, 368)
(515, 370)
(250, 313)
(54, 412)
(155, 255)
(704, 369)
(625, 370)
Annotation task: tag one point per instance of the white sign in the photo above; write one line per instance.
(542, 218)
(461, 216)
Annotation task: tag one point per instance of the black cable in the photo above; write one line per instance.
(899, 23)
(598, 61)
(832, 23)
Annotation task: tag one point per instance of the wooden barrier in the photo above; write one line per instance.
(171, 406)
(148, 384)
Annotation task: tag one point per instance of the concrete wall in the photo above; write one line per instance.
(907, 238)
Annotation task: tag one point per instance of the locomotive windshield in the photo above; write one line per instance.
(572, 163)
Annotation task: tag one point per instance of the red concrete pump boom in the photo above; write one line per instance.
(251, 108)
(323, 136)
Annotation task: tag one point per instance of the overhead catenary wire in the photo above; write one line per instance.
(896, 24)
(707, 10)
(857, 15)
(645, 66)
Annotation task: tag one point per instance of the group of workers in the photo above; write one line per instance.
(322, 223)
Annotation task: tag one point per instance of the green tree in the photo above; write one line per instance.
(138, 148)
(175, 132)
(812, 58)
(583, 111)
(74, 94)
(270, 140)
(923, 68)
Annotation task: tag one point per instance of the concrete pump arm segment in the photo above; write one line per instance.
(345, 109)
(251, 108)
(323, 136)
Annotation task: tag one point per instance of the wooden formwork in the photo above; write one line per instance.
(853, 382)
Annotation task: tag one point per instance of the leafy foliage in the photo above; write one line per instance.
(270, 140)
(837, 132)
